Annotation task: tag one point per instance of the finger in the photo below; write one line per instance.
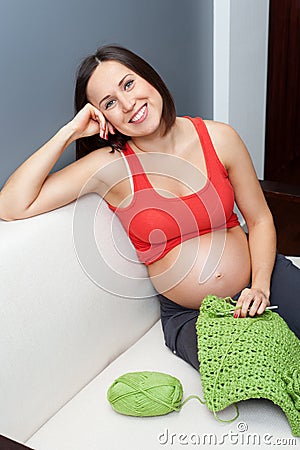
(247, 299)
(111, 128)
(238, 307)
(246, 306)
(237, 312)
(240, 303)
(98, 117)
(103, 131)
(254, 307)
(263, 306)
(95, 117)
(102, 127)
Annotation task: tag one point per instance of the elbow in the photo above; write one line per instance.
(9, 215)
(5, 213)
(13, 210)
(266, 224)
(6, 217)
(264, 220)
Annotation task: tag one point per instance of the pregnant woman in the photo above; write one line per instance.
(172, 181)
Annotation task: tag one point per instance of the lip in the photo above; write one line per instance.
(143, 117)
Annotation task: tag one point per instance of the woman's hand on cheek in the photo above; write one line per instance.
(90, 121)
(252, 301)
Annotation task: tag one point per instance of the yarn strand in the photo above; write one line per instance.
(203, 402)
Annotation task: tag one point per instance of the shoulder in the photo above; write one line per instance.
(226, 141)
(221, 132)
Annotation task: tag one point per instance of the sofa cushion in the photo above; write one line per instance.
(89, 422)
(59, 326)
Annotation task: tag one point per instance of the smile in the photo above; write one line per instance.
(140, 115)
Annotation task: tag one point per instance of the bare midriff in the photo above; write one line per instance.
(216, 263)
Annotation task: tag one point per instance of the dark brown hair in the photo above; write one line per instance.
(140, 67)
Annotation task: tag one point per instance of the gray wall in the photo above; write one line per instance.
(43, 41)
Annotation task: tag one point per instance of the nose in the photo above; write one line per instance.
(127, 103)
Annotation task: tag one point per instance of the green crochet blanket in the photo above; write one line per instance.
(252, 357)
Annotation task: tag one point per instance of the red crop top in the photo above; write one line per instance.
(156, 224)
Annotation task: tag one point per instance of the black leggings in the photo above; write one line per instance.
(179, 323)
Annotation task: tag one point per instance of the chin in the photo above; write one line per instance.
(154, 127)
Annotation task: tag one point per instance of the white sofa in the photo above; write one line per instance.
(77, 311)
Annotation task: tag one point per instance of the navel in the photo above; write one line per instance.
(219, 275)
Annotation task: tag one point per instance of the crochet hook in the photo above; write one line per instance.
(239, 307)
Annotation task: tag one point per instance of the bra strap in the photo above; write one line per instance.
(211, 158)
(136, 170)
(129, 173)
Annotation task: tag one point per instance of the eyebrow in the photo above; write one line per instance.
(119, 84)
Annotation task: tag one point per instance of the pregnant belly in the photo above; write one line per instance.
(217, 263)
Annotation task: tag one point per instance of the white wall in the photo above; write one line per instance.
(240, 71)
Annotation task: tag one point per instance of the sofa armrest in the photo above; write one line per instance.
(61, 323)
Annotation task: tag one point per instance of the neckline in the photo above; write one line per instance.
(182, 197)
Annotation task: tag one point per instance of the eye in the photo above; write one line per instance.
(128, 84)
(109, 104)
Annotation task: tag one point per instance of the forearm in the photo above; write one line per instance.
(24, 185)
(262, 245)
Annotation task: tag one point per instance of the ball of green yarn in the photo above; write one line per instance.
(145, 394)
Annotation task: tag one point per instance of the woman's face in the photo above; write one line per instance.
(128, 102)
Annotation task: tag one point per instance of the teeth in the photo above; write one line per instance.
(139, 114)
